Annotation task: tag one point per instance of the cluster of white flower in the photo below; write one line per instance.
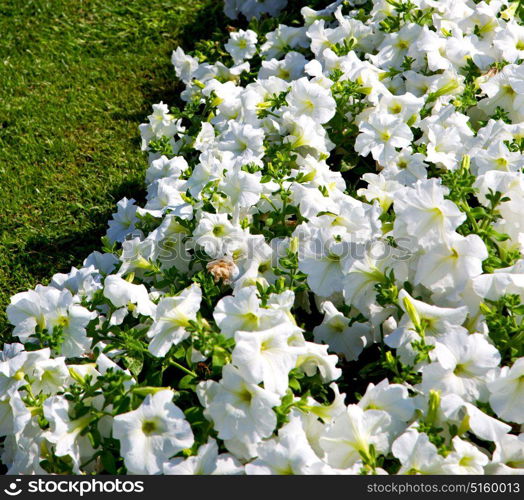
(253, 8)
(326, 275)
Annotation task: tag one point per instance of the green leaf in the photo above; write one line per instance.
(108, 462)
(134, 363)
(294, 384)
(187, 382)
(220, 356)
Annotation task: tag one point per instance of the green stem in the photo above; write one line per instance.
(264, 197)
(471, 219)
(183, 368)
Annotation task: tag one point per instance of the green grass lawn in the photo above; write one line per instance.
(76, 79)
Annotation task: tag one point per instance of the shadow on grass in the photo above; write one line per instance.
(133, 117)
(36, 259)
(43, 256)
(209, 24)
(162, 84)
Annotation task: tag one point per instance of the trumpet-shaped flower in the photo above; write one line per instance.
(309, 99)
(206, 462)
(417, 454)
(243, 312)
(124, 220)
(391, 398)
(242, 45)
(507, 393)
(153, 433)
(127, 297)
(508, 457)
(465, 459)
(341, 337)
(14, 415)
(380, 135)
(288, 454)
(505, 90)
(449, 266)
(66, 434)
(172, 318)
(423, 214)
(266, 356)
(463, 365)
(239, 409)
(351, 434)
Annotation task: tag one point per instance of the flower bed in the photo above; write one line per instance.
(326, 276)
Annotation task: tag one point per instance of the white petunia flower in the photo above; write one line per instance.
(123, 222)
(242, 189)
(462, 365)
(314, 358)
(510, 42)
(239, 410)
(507, 393)
(380, 134)
(448, 267)
(161, 123)
(266, 356)
(505, 90)
(253, 8)
(127, 297)
(465, 459)
(310, 99)
(14, 415)
(214, 232)
(351, 433)
(244, 141)
(26, 312)
(66, 434)
(164, 167)
(172, 318)
(151, 434)
(207, 462)
(508, 457)
(241, 45)
(72, 319)
(50, 376)
(290, 68)
(341, 337)
(391, 398)
(243, 312)
(417, 454)
(48, 308)
(423, 214)
(185, 65)
(288, 454)
(455, 410)
(21, 452)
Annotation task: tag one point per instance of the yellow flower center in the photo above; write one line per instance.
(385, 136)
